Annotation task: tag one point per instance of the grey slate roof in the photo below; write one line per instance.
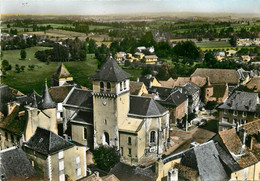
(46, 142)
(174, 99)
(84, 117)
(144, 106)
(47, 101)
(110, 71)
(131, 173)
(242, 101)
(15, 165)
(191, 88)
(80, 97)
(205, 159)
(163, 92)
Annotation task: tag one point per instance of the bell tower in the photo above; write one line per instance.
(110, 102)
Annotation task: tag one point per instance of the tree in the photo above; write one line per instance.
(187, 49)
(23, 54)
(233, 41)
(6, 66)
(106, 157)
(209, 60)
(17, 68)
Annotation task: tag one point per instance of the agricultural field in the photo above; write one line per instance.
(214, 45)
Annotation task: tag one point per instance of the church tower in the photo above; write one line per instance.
(110, 102)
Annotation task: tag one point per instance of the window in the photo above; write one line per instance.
(129, 151)
(6, 135)
(122, 151)
(121, 86)
(108, 86)
(244, 114)
(124, 84)
(235, 113)
(85, 133)
(77, 167)
(129, 141)
(61, 114)
(152, 137)
(106, 137)
(102, 86)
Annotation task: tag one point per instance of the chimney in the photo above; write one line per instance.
(172, 175)
(137, 80)
(96, 173)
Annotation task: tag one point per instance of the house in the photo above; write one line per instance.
(120, 56)
(202, 162)
(216, 92)
(139, 56)
(245, 58)
(254, 84)
(12, 128)
(247, 164)
(220, 55)
(239, 108)
(150, 59)
(177, 105)
(62, 76)
(58, 95)
(137, 88)
(193, 93)
(168, 84)
(15, 165)
(53, 157)
(137, 126)
(181, 81)
(149, 81)
(78, 116)
(231, 53)
(218, 76)
(229, 77)
(6, 96)
(41, 112)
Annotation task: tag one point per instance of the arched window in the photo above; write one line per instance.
(106, 137)
(108, 86)
(152, 137)
(101, 86)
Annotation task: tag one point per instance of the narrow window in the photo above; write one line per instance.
(108, 86)
(102, 86)
(85, 134)
(129, 141)
(152, 137)
(106, 137)
(121, 86)
(124, 84)
(129, 151)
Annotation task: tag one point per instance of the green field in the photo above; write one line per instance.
(28, 81)
(214, 45)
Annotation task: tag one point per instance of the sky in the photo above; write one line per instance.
(103, 7)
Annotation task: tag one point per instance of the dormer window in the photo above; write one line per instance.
(244, 114)
(234, 113)
(102, 86)
(108, 86)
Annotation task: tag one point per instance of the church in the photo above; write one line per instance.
(137, 126)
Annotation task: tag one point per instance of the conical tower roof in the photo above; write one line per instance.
(110, 71)
(62, 71)
(47, 101)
